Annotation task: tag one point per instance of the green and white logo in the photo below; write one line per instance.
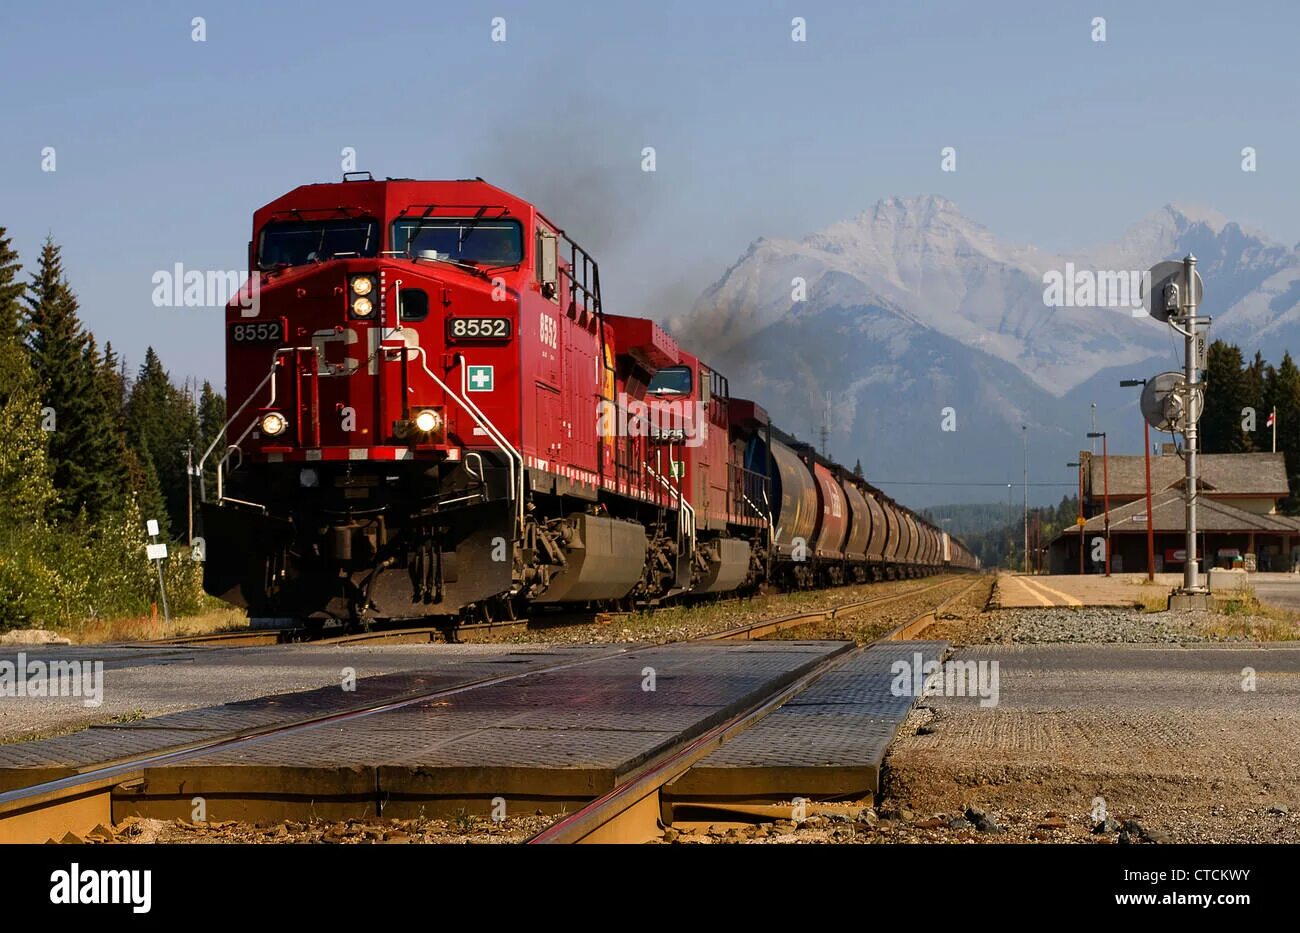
(480, 378)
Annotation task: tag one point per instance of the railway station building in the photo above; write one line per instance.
(1238, 520)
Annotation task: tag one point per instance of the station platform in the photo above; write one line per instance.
(1019, 591)
(828, 742)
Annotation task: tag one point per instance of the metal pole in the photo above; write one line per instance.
(163, 591)
(1191, 579)
(1082, 519)
(1024, 432)
(1151, 532)
(1105, 480)
(189, 496)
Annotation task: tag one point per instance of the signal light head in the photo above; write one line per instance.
(273, 424)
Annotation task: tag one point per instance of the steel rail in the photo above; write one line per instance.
(599, 820)
(102, 777)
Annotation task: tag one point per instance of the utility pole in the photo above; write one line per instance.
(1105, 486)
(1146, 440)
(1024, 433)
(826, 428)
(1080, 521)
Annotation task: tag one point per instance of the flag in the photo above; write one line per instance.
(1272, 418)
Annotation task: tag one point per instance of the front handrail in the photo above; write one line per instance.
(203, 491)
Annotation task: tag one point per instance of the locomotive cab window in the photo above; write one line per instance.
(671, 380)
(460, 239)
(415, 304)
(296, 243)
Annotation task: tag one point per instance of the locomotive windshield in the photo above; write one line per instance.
(460, 239)
(671, 380)
(299, 242)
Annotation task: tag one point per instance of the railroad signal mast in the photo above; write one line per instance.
(1173, 402)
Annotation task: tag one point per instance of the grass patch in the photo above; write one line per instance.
(149, 627)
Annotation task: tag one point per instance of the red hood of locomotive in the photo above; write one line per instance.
(339, 380)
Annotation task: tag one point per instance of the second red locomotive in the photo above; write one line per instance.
(431, 414)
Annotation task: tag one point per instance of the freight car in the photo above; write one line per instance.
(431, 414)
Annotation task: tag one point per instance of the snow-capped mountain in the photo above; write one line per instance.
(911, 307)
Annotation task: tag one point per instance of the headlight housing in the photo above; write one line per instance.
(362, 285)
(362, 307)
(273, 424)
(428, 421)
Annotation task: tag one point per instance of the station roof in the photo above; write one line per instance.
(1169, 515)
(1256, 474)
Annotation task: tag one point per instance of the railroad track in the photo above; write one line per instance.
(631, 811)
(51, 809)
(396, 635)
(43, 811)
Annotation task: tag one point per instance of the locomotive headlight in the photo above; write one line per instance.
(362, 285)
(273, 424)
(362, 307)
(428, 421)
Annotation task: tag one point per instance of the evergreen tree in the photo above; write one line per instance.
(1284, 392)
(161, 424)
(84, 451)
(11, 289)
(857, 468)
(1226, 396)
(25, 484)
(212, 418)
(1255, 393)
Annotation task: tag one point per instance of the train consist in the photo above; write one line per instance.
(432, 415)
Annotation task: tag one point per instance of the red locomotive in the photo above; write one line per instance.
(431, 414)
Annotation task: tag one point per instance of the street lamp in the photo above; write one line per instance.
(1146, 443)
(1082, 521)
(1105, 479)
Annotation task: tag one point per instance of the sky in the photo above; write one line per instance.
(164, 145)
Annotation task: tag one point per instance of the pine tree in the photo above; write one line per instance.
(11, 289)
(161, 424)
(1226, 397)
(25, 483)
(84, 450)
(1284, 392)
(212, 418)
(1255, 392)
(857, 468)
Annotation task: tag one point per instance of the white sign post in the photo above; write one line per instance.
(157, 552)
